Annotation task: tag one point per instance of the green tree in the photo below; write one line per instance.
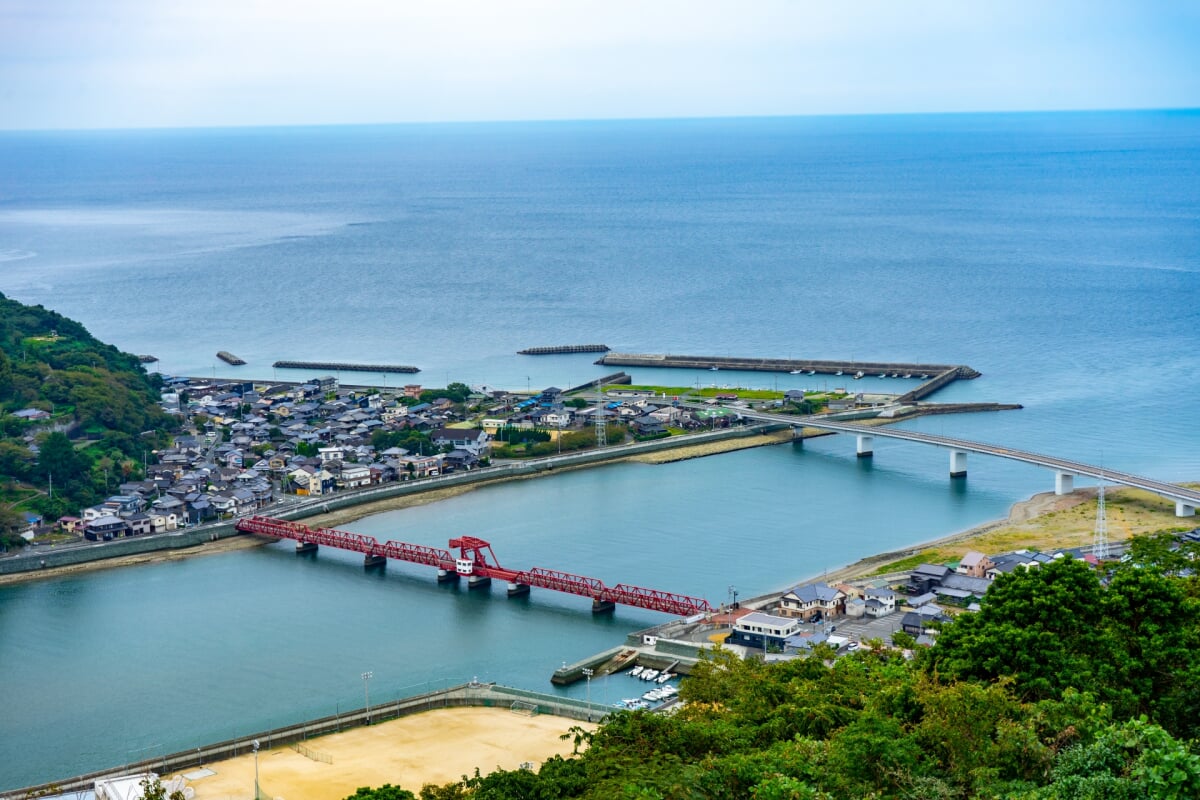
(385, 792)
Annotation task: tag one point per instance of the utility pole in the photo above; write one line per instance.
(588, 673)
(366, 676)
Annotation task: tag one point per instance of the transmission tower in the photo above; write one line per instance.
(1100, 542)
(601, 422)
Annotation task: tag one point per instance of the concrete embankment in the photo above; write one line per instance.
(821, 367)
(39, 558)
(468, 694)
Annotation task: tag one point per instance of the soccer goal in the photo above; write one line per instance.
(524, 707)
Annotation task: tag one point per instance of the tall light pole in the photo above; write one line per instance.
(588, 673)
(366, 676)
(256, 793)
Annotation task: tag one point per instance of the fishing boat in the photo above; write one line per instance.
(797, 372)
(858, 374)
(649, 675)
(666, 676)
(637, 671)
(839, 372)
(812, 372)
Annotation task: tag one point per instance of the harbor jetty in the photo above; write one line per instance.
(230, 358)
(932, 376)
(564, 348)
(338, 365)
(615, 379)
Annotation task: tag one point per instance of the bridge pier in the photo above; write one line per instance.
(603, 606)
(1183, 509)
(306, 547)
(1064, 482)
(370, 560)
(447, 576)
(478, 581)
(866, 445)
(958, 463)
(517, 589)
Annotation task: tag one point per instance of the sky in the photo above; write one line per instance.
(182, 63)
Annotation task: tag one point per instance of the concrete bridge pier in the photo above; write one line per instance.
(1183, 509)
(447, 576)
(306, 547)
(370, 560)
(517, 589)
(958, 463)
(1064, 482)
(478, 581)
(866, 446)
(603, 606)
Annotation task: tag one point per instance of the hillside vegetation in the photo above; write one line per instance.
(104, 415)
(1068, 685)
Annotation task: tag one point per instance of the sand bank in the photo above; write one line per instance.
(433, 747)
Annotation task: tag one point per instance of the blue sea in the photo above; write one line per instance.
(1058, 254)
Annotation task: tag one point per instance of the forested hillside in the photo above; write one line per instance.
(1067, 686)
(103, 409)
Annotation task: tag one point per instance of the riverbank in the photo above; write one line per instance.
(1045, 521)
(347, 515)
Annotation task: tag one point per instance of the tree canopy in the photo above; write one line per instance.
(1103, 714)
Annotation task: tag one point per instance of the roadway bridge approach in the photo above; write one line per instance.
(1186, 500)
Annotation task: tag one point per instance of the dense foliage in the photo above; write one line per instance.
(1062, 688)
(91, 390)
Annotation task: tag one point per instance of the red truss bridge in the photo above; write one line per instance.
(476, 562)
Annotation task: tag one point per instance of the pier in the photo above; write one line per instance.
(230, 358)
(564, 348)
(616, 379)
(476, 562)
(335, 366)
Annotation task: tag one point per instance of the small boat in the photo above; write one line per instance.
(908, 374)
(636, 671)
(839, 372)
(666, 676)
(858, 374)
(895, 374)
(883, 374)
(713, 369)
(652, 696)
(812, 372)
(649, 674)
(923, 377)
(797, 372)
(668, 692)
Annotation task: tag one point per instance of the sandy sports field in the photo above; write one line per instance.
(432, 747)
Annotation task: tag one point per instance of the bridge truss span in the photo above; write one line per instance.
(477, 560)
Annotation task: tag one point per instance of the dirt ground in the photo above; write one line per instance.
(433, 747)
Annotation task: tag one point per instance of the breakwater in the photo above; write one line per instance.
(905, 369)
(564, 348)
(479, 695)
(230, 358)
(615, 379)
(338, 366)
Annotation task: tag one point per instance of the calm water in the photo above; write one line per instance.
(1057, 254)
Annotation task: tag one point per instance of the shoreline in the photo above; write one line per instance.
(346, 516)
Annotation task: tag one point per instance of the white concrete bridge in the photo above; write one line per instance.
(1186, 500)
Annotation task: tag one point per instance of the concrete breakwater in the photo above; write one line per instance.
(564, 348)
(849, 368)
(338, 365)
(230, 358)
(483, 695)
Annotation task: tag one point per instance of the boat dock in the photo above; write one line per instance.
(230, 358)
(334, 366)
(564, 348)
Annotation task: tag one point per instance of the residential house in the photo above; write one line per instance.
(925, 577)
(813, 602)
(761, 630)
(974, 564)
(354, 476)
(879, 602)
(473, 440)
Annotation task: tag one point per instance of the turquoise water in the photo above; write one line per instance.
(1057, 254)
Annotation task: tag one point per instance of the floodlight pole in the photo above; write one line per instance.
(366, 676)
